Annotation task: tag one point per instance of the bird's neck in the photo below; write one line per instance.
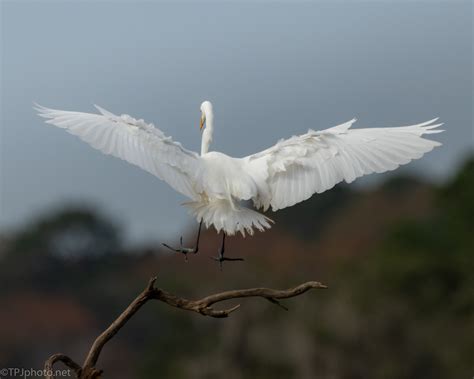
(207, 136)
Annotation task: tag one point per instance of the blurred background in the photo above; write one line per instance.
(81, 232)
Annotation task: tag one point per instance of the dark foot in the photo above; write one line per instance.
(220, 257)
(182, 249)
(186, 250)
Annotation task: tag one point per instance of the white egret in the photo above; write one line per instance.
(217, 185)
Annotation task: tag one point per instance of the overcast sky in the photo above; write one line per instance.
(271, 70)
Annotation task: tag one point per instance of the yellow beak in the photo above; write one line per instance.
(201, 122)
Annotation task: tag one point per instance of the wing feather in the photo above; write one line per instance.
(296, 168)
(134, 141)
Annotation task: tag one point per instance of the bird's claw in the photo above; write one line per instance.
(182, 249)
(221, 258)
(186, 250)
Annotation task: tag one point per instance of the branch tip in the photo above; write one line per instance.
(48, 365)
(276, 302)
(151, 283)
(234, 308)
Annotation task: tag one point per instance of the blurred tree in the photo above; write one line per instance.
(306, 220)
(42, 253)
(416, 291)
(72, 233)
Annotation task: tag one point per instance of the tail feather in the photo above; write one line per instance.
(229, 218)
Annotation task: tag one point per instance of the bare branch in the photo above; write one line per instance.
(48, 365)
(134, 306)
(202, 306)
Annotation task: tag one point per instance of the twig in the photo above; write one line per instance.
(202, 306)
(48, 365)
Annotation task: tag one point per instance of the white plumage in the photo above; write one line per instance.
(285, 174)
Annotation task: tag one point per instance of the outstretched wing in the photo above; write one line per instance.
(132, 140)
(296, 168)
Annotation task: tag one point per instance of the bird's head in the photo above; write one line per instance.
(206, 113)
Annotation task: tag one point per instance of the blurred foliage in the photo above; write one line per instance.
(419, 279)
(306, 219)
(398, 261)
(69, 233)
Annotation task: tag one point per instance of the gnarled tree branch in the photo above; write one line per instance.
(48, 365)
(202, 306)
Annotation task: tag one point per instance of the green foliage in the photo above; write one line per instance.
(70, 233)
(306, 219)
(421, 279)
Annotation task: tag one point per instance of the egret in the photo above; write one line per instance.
(221, 187)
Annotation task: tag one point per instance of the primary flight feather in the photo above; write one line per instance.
(285, 174)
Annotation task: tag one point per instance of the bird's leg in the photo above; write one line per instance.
(186, 250)
(220, 258)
